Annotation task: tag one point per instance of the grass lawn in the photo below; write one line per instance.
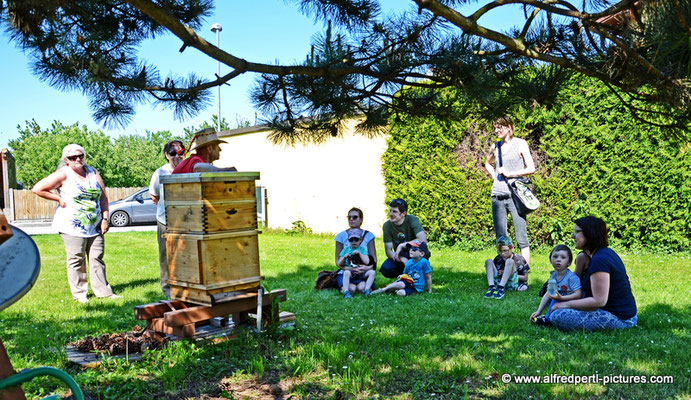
(445, 345)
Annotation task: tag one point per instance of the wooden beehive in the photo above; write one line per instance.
(211, 238)
(210, 202)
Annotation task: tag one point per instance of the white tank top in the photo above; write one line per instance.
(82, 214)
(511, 160)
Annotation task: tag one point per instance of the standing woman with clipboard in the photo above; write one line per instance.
(516, 162)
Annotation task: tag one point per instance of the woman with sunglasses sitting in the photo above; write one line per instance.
(355, 218)
(81, 219)
(173, 152)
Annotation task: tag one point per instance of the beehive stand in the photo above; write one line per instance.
(212, 250)
(182, 319)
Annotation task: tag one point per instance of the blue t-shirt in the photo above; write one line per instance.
(349, 250)
(568, 283)
(417, 271)
(620, 301)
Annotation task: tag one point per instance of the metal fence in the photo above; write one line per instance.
(25, 205)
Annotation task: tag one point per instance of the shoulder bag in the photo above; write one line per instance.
(524, 199)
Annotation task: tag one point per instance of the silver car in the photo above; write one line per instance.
(134, 209)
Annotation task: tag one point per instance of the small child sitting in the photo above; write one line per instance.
(568, 284)
(504, 270)
(355, 273)
(417, 267)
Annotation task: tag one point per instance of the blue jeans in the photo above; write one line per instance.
(569, 319)
(391, 269)
(500, 215)
(354, 279)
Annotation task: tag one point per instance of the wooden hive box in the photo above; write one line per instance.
(211, 239)
(210, 202)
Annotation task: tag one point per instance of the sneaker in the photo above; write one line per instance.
(542, 291)
(82, 300)
(113, 296)
(366, 292)
(499, 293)
(542, 321)
(490, 292)
(522, 287)
(347, 295)
(377, 291)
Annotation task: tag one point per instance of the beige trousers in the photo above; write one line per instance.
(78, 249)
(162, 261)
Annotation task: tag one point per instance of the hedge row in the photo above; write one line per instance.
(592, 157)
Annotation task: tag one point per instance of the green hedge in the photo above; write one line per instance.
(592, 157)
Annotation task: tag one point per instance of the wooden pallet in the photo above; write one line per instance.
(181, 319)
(93, 359)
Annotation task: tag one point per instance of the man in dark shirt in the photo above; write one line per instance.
(399, 231)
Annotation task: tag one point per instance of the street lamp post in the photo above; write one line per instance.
(218, 28)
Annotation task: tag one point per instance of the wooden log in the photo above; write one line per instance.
(285, 316)
(185, 331)
(158, 325)
(153, 334)
(240, 317)
(211, 288)
(5, 231)
(210, 297)
(246, 302)
(11, 393)
(222, 297)
(156, 310)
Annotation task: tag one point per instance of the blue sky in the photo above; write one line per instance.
(258, 30)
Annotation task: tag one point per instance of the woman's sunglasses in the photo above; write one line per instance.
(73, 158)
(174, 153)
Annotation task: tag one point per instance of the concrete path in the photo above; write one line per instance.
(45, 228)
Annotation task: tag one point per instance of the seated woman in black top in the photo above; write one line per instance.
(608, 302)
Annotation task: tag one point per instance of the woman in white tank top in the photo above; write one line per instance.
(81, 219)
(516, 163)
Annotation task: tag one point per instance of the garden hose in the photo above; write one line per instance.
(29, 374)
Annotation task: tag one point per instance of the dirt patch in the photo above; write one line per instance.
(253, 389)
(270, 387)
(471, 150)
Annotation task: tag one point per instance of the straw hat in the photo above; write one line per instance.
(205, 137)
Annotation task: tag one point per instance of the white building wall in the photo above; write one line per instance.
(316, 184)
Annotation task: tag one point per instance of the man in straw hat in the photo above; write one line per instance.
(207, 150)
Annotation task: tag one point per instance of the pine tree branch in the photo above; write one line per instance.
(190, 89)
(191, 39)
(680, 15)
(631, 52)
(528, 22)
(516, 46)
